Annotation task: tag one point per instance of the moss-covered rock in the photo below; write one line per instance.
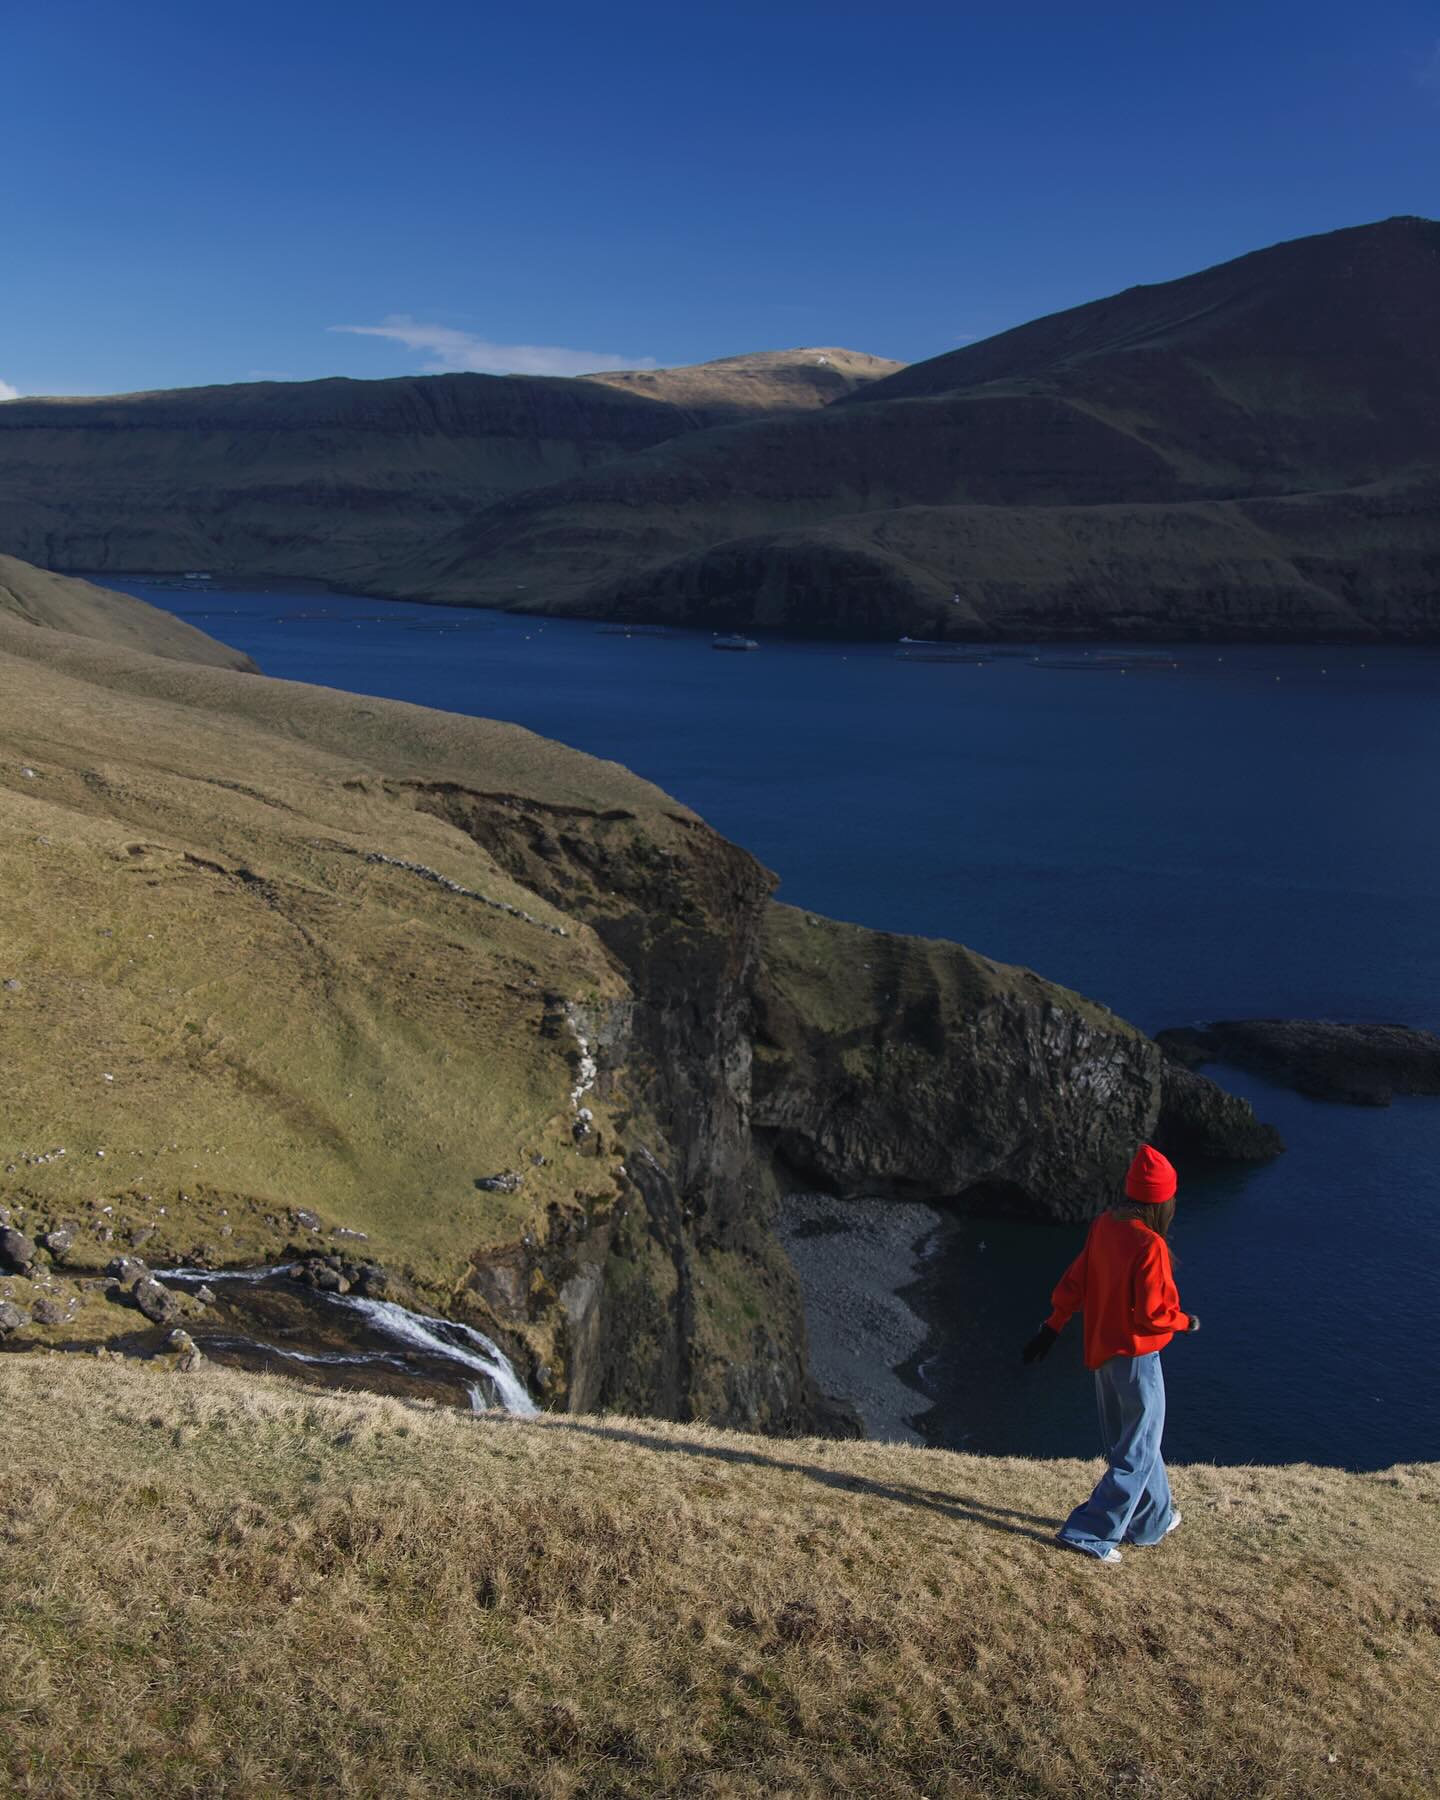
(918, 1069)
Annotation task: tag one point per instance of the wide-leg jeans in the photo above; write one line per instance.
(1132, 1499)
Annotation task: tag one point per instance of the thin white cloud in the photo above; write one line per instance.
(451, 352)
(1429, 72)
(7, 392)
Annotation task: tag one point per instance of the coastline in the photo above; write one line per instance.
(854, 1259)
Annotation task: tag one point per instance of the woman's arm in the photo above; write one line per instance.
(1069, 1295)
(1155, 1305)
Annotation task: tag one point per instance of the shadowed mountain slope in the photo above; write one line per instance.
(1250, 451)
(326, 479)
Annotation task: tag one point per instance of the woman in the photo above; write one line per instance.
(1123, 1283)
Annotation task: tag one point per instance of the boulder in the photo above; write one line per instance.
(12, 1318)
(58, 1240)
(325, 1274)
(48, 1311)
(155, 1300)
(17, 1253)
(187, 1353)
(506, 1183)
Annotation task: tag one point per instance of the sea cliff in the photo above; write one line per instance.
(438, 1010)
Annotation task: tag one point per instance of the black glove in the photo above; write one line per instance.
(1194, 1324)
(1039, 1346)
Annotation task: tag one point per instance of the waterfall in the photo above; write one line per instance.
(446, 1339)
(438, 1337)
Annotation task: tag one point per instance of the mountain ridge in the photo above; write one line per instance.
(1304, 372)
(334, 478)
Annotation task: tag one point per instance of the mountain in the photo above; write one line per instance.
(1252, 451)
(331, 479)
(762, 383)
(78, 609)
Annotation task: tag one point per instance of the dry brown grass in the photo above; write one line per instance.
(222, 1585)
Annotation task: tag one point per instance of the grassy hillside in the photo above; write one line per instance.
(60, 603)
(232, 989)
(280, 966)
(215, 1584)
(765, 381)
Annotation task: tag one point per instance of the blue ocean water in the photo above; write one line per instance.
(1205, 833)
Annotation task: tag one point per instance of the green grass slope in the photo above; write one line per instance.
(61, 603)
(218, 1585)
(220, 972)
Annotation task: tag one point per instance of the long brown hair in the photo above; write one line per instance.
(1159, 1217)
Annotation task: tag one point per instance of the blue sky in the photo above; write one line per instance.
(206, 193)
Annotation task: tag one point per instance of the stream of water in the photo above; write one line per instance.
(263, 1320)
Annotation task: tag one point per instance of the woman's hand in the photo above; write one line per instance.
(1039, 1346)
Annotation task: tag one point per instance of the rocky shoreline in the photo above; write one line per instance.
(853, 1259)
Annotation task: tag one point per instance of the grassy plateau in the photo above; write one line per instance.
(222, 1584)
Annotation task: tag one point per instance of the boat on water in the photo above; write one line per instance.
(732, 640)
(938, 650)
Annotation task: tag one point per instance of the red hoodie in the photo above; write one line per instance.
(1123, 1282)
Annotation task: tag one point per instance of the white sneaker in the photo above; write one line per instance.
(1110, 1555)
(1177, 1518)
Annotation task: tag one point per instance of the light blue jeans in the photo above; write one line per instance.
(1132, 1499)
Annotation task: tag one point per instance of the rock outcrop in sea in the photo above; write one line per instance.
(1365, 1065)
(918, 1069)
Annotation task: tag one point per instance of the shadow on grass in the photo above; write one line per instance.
(952, 1506)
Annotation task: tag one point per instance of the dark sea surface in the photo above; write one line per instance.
(1184, 835)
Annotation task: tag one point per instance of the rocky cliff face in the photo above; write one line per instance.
(917, 1069)
(683, 1305)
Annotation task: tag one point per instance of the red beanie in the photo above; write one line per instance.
(1152, 1178)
